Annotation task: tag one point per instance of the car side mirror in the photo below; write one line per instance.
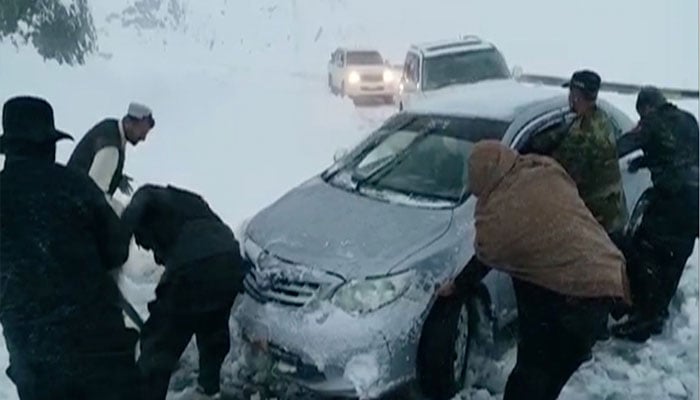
(517, 72)
(340, 154)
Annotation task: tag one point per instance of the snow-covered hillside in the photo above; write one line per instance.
(243, 113)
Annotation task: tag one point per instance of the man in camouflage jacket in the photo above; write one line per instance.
(588, 152)
(660, 246)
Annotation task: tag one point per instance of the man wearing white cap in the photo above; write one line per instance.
(101, 152)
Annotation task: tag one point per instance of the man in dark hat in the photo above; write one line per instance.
(58, 306)
(203, 274)
(660, 246)
(101, 152)
(588, 151)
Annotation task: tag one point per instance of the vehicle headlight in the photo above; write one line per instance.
(388, 76)
(363, 296)
(251, 249)
(354, 77)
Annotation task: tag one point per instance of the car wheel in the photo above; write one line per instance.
(635, 220)
(444, 347)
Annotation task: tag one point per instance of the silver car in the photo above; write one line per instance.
(341, 294)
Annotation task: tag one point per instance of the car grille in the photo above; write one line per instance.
(372, 78)
(282, 291)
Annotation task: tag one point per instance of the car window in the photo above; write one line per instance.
(418, 155)
(364, 58)
(621, 122)
(336, 57)
(554, 122)
(542, 124)
(466, 67)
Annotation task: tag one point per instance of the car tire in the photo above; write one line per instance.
(635, 219)
(444, 347)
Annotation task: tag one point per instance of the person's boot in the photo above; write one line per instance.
(639, 329)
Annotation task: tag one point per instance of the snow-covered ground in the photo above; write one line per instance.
(243, 115)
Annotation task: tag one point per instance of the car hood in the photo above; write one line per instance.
(324, 227)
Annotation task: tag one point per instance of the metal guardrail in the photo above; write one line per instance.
(622, 88)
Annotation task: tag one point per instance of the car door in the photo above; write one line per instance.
(634, 183)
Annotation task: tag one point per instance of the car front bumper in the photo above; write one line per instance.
(370, 89)
(333, 353)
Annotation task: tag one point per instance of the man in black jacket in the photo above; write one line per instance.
(661, 245)
(203, 274)
(101, 152)
(58, 306)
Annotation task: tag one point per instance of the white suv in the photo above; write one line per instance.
(432, 66)
(359, 73)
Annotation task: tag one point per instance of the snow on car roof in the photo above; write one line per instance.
(360, 49)
(494, 99)
(468, 43)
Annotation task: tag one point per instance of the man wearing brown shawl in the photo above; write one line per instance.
(532, 224)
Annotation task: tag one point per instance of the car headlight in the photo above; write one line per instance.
(363, 296)
(388, 76)
(251, 249)
(354, 77)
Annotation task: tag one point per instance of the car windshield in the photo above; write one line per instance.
(425, 158)
(364, 58)
(468, 67)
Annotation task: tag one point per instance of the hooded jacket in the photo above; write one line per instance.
(532, 224)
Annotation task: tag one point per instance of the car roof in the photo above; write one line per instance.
(359, 49)
(463, 44)
(501, 99)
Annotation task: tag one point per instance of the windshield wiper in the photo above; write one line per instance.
(382, 170)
